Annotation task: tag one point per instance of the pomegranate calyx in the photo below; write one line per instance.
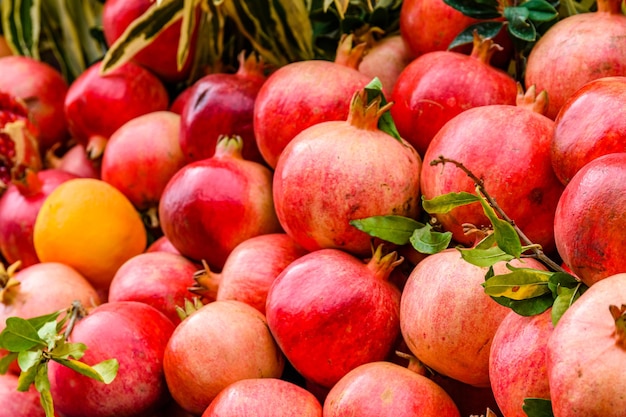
(206, 282)
(619, 315)
(484, 48)
(414, 364)
(190, 307)
(364, 114)
(95, 147)
(151, 217)
(532, 101)
(251, 67)
(229, 146)
(348, 54)
(382, 265)
(28, 184)
(8, 281)
(609, 6)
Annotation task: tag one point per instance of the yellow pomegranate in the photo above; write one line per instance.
(91, 226)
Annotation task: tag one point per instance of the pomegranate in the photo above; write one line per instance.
(439, 85)
(431, 25)
(590, 217)
(222, 104)
(97, 105)
(306, 93)
(517, 361)
(509, 150)
(178, 104)
(577, 49)
(162, 244)
(344, 164)
(135, 334)
(385, 59)
(19, 147)
(16, 403)
(19, 207)
(217, 345)
(74, 160)
(141, 156)
(307, 298)
(469, 399)
(264, 397)
(210, 206)
(43, 89)
(160, 279)
(160, 56)
(384, 389)
(585, 353)
(447, 319)
(587, 126)
(250, 270)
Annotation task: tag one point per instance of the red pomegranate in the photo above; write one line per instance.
(220, 343)
(439, 85)
(135, 334)
(264, 397)
(384, 389)
(19, 207)
(96, 105)
(576, 50)
(16, 403)
(447, 319)
(307, 298)
(75, 161)
(162, 244)
(212, 205)
(385, 59)
(588, 126)
(43, 90)
(590, 217)
(141, 157)
(160, 279)
(160, 56)
(517, 361)
(509, 149)
(306, 93)
(178, 103)
(222, 104)
(344, 164)
(585, 354)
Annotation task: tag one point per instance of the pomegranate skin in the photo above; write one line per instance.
(19, 206)
(386, 59)
(576, 50)
(439, 85)
(517, 361)
(384, 389)
(588, 127)
(510, 150)
(96, 106)
(305, 93)
(590, 219)
(135, 334)
(585, 355)
(212, 205)
(18, 404)
(307, 297)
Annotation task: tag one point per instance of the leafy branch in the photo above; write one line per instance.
(37, 341)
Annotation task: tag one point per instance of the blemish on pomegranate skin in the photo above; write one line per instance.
(536, 196)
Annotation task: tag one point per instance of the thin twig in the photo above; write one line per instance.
(76, 312)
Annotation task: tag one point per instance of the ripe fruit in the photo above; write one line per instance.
(385, 59)
(133, 333)
(587, 126)
(384, 389)
(590, 219)
(217, 345)
(91, 226)
(212, 205)
(346, 166)
(331, 312)
(18, 404)
(74, 160)
(576, 50)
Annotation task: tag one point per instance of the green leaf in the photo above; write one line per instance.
(187, 27)
(519, 25)
(374, 89)
(507, 238)
(48, 333)
(537, 407)
(487, 30)
(520, 284)
(27, 378)
(5, 362)
(19, 335)
(28, 359)
(64, 350)
(21, 24)
(485, 9)
(564, 299)
(39, 321)
(540, 10)
(444, 203)
(426, 240)
(392, 228)
(487, 242)
(531, 306)
(42, 382)
(485, 257)
(104, 371)
(45, 397)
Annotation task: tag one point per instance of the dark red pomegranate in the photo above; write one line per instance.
(439, 85)
(576, 50)
(160, 56)
(19, 206)
(212, 205)
(222, 104)
(306, 93)
(509, 149)
(97, 105)
(331, 312)
(43, 90)
(346, 167)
